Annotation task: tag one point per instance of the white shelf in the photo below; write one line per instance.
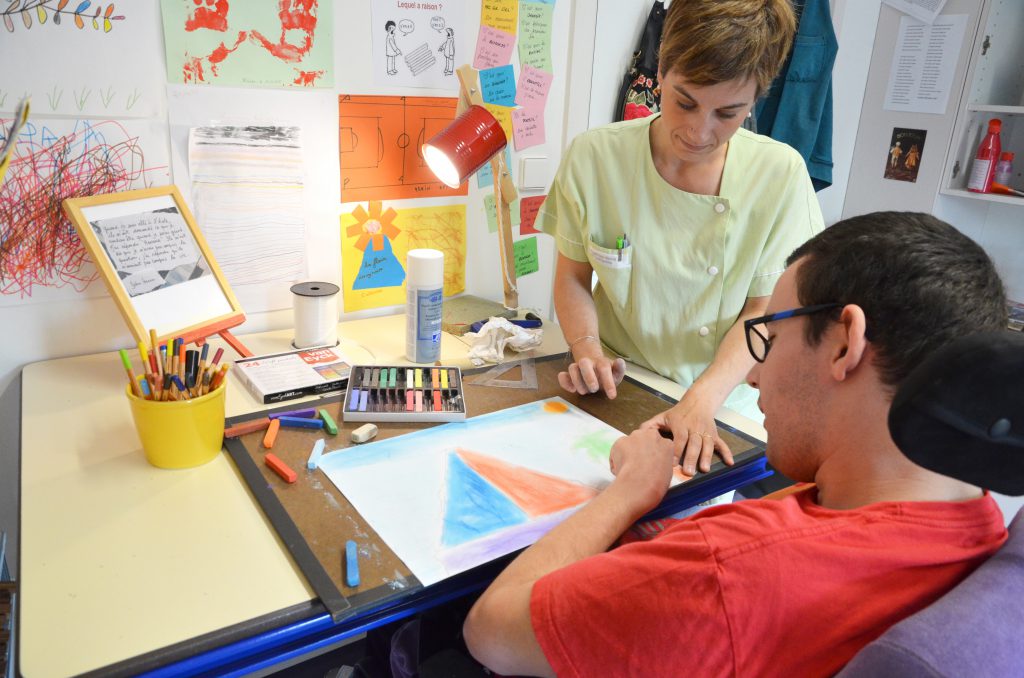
(988, 197)
(1004, 110)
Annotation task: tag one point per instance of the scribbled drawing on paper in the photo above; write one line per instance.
(379, 142)
(248, 44)
(248, 199)
(375, 242)
(40, 252)
(415, 45)
(475, 490)
(47, 10)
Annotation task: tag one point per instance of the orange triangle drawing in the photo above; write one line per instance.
(538, 494)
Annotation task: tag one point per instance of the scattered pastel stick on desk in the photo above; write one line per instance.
(136, 389)
(271, 435)
(351, 563)
(280, 468)
(300, 422)
(306, 414)
(329, 424)
(314, 456)
(246, 427)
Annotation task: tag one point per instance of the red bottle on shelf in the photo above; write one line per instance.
(984, 166)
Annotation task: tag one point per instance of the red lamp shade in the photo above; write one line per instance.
(464, 146)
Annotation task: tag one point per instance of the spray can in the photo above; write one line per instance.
(983, 168)
(424, 292)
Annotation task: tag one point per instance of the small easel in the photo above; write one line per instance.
(504, 189)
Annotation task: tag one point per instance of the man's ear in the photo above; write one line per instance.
(850, 341)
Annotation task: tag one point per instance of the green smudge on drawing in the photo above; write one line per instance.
(597, 445)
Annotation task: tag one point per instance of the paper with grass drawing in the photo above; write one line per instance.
(449, 498)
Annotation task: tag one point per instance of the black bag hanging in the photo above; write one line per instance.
(640, 93)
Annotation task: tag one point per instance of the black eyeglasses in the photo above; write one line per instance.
(758, 342)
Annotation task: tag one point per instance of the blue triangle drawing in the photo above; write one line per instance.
(475, 507)
(380, 268)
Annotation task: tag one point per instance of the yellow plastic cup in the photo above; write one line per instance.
(180, 433)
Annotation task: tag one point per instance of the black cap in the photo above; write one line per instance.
(961, 412)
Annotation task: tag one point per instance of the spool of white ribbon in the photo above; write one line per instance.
(316, 314)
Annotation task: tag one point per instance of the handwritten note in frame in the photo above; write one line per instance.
(155, 263)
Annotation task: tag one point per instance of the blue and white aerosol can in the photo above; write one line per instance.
(424, 281)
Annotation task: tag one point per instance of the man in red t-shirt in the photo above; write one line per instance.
(796, 585)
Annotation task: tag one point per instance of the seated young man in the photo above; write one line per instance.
(790, 586)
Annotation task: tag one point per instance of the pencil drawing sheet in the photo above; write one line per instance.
(83, 59)
(451, 497)
(419, 44)
(247, 194)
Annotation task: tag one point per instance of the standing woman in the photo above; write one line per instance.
(686, 219)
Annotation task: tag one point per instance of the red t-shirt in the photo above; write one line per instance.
(759, 588)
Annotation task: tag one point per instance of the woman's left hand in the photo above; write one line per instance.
(694, 434)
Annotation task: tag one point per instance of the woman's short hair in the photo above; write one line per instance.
(713, 41)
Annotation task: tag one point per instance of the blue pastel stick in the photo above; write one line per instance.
(314, 456)
(353, 400)
(301, 422)
(144, 385)
(362, 400)
(304, 414)
(351, 563)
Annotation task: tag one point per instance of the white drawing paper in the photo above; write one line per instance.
(448, 498)
(419, 44)
(108, 67)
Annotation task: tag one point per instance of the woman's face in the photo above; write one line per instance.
(700, 120)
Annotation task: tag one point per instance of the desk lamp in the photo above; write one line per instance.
(475, 137)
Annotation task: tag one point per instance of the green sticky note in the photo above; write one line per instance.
(535, 19)
(492, 215)
(525, 253)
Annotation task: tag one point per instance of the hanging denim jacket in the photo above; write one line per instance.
(798, 107)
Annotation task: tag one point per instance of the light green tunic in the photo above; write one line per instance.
(692, 260)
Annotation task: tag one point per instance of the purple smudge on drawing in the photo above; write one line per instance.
(486, 549)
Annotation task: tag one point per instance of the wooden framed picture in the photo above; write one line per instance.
(156, 263)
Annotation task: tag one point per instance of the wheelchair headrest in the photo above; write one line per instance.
(961, 412)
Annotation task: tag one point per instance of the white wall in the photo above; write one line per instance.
(40, 331)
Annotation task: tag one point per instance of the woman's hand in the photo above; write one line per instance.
(592, 374)
(694, 434)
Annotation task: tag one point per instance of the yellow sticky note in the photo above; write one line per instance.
(504, 116)
(500, 14)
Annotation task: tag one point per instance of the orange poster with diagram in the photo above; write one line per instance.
(379, 142)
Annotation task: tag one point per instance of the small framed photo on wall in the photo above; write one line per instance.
(906, 148)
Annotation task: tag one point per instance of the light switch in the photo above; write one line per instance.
(535, 173)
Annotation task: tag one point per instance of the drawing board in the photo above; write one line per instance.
(155, 262)
(314, 518)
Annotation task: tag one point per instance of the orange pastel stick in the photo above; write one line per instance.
(246, 427)
(271, 435)
(280, 468)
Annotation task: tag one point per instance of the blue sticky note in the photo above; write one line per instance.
(483, 175)
(498, 85)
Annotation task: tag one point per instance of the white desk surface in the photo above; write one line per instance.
(119, 558)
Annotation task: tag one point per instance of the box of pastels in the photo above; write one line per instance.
(404, 393)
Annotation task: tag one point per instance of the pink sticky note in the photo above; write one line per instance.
(528, 127)
(528, 208)
(533, 87)
(493, 47)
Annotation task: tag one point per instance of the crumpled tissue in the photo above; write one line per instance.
(497, 333)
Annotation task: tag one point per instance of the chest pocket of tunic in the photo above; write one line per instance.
(614, 268)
